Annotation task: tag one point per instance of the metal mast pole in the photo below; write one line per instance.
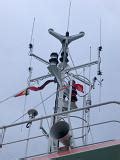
(59, 71)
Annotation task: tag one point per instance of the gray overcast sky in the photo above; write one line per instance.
(16, 17)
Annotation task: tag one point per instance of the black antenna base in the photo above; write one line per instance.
(67, 34)
(30, 46)
(100, 48)
(99, 73)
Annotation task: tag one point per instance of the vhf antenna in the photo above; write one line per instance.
(100, 31)
(99, 73)
(68, 23)
(30, 52)
(29, 69)
(31, 38)
(99, 52)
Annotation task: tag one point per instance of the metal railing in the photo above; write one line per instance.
(62, 113)
(105, 104)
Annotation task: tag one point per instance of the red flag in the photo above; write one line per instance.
(33, 88)
(79, 87)
(22, 93)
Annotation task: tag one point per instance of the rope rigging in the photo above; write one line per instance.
(72, 62)
(42, 102)
(6, 99)
(36, 105)
(44, 107)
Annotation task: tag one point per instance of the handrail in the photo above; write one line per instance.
(95, 124)
(62, 113)
(90, 125)
(22, 140)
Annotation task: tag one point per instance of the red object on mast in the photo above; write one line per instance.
(33, 88)
(79, 87)
(22, 93)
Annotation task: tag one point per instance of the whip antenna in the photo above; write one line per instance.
(31, 38)
(99, 67)
(99, 54)
(100, 31)
(69, 16)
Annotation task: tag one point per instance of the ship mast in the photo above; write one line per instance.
(61, 130)
(59, 70)
(66, 95)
